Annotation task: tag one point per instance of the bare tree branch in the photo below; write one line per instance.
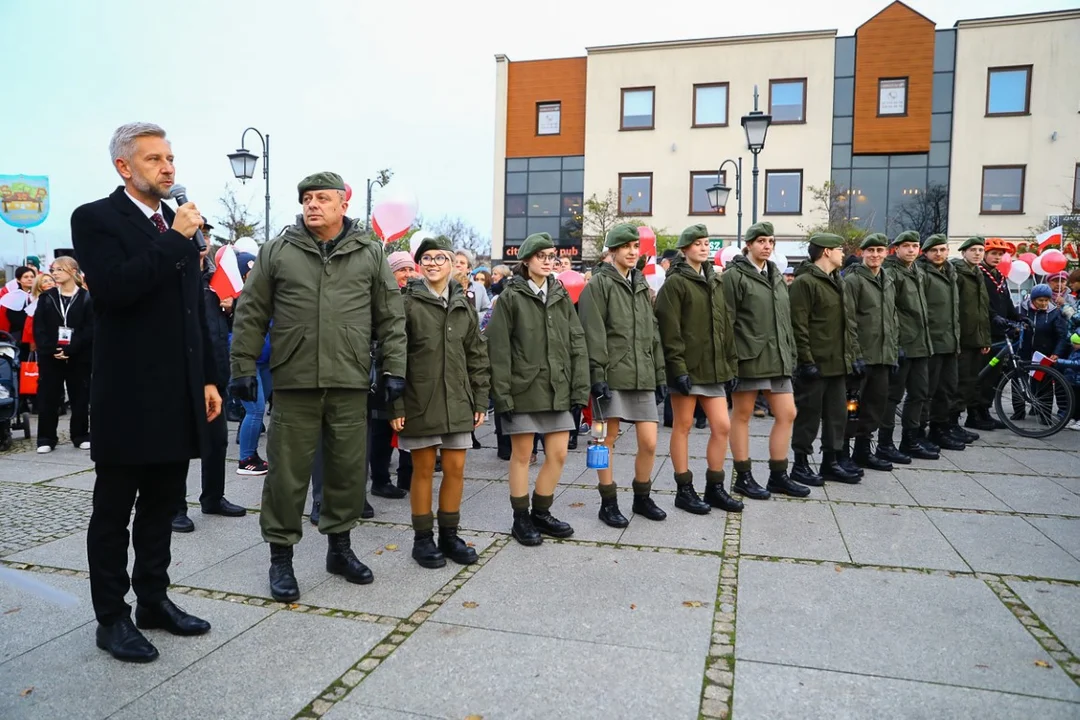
(238, 220)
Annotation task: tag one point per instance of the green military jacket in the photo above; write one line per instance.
(974, 305)
(823, 324)
(943, 306)
(911, 310)
(872, 301)
(762, 311)
(448, 372)
(621, 331)
(696, 325)
(539, 361)
(325, 311)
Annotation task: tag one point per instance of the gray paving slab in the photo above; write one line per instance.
(579, 507)
(83, 480)
(875, 487)
(28, 620)
(981, 459)
(399, 510)
(528, 677)
(33, 470)
(793, 529)
(898, 537)
(72, 679)
(296, 656)
(679, 530)
(582, 593)
(1004, 544)
(485, 465)
(244, 491)
(63, 454)
(1045, 462)
(350, 710)
(1056, 606)
(489, 509)
(947, 490)
(777, 692)
(1031, 494)
(1064, 531)
(911, 626)
(1072, 484)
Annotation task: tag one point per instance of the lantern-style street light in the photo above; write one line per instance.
(718, 193)
(243, 166)
(756, 124)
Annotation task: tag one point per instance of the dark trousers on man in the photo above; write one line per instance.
(821, 402)
(913, 377)
(53, 376)
(213, 459)
(155, 491)
(942, 372)
(969, 363)
(380, 451)
(873, 389)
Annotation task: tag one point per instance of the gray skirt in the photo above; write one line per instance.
(778, 385)
(451, 441)
(630, 406)
(711, 390)
(539, 422)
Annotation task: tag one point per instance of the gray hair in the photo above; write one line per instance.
(468, 255)
(502, 269)
(123, 140)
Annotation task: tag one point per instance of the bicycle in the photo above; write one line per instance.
(1032, 391)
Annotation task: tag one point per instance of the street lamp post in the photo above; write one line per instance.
(718, 193)
(24, 232)
(243, 166)
(756, 124)
(381, 182)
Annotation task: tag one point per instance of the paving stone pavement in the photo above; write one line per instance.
(946, 589)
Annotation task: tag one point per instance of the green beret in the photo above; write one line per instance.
(620, 235)
(934, 240)
(826, 240)
(874, 240)
(690, 234)
(757, 230)
(906, 236)
(436, 243)
(320, 181)
(534, 244)
(972, 241)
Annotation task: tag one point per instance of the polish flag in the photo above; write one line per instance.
(1039, 359)
(226, 280)
(654, 274)
(1049, 238)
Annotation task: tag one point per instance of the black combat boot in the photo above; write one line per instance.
(716, 495)
(283, 587)
(781, 484)
(645, 507)
(610, 514)
(866, 459)
(910, 445)
(454, 547)
(548, 524)
(745, 484)
(424, 551)
(845, 461)
(833, 471)
(801, 472)
(923, 439)
(685, 496)
(369, 512)
(523, 530)
(940, 436)
(341, 560)
(965, 436)
(886, 450)
(978, 420)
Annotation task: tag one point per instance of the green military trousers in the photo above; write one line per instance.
(969, 364)
(819, 402)
(298, 419)
(944, 389)
(873, 389)
(912, 378)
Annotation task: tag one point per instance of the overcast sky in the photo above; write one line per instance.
(339, 85)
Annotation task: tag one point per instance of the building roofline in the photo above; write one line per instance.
(705, 42)
(897, 2)
(500, 57)
(1018, 19)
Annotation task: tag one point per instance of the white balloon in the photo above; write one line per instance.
(780, 260)
(1036, 267)
(1019, 272)
(246, 244)
(416, 238)
(729, 252)
(657, 279)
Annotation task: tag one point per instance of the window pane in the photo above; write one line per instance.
(783, 192)
(1008, 91)
(635, 194)
(941, 101)
(571, 204)
(515, 206)
(544, 182)
(898, 161)
(845, 57)
(710, 105)
(841, 179)
(517, 165)
(843, 100)
(841, 130)
(699, 192)
(907, 193)
(517, 183)
(937, 176)
(944, 50)
(546, 225)
(543, 205)
(787, 101)
(573, 162)
(570, 228)
(1003, 189)
(939, 154)
(637, 108)
(870, 161)
(573, 181)
(841, 156)
(869, 201)
(515, 229)
(547, 118)
(545, 163)
(940, 127)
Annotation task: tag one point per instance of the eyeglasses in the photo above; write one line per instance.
(547, 257)
(437, 260)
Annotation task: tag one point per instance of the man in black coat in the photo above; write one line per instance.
(153, 389)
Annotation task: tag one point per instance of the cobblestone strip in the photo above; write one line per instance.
(31, 515)
(352, 677)
(1050, 642)
(718, 683)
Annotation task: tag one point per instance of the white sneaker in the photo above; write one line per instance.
(1074, 425)
(85, 445)
(43, 449)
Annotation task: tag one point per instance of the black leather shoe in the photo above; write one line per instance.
(524, 531)
(316, 508)
(166, 615)
(181, 523)
(866, 459)
(886, 450)
(548, 524)
(454, 547)
(404, 481)
(425, 553)
(781, 484)
(283, 586)
(745, 484)
(124, 642)
(910, 445)
(700, 423)
(369, 512)
(646, 508)
(940, 436)
(610, 514)
(686, 498)
(341, 560)
(387, 490)
(571, 444)
(223, 507)
(801, 472)
(718, 497)
(832, 471)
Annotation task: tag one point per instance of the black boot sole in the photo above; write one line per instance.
(650, 515)
(561, 534)
(920, 454)
(762, 494)
(703, 509)
(430, 563)
(846, 480)
(140, 659)
(895, 460)
(879, 466)
(527, 542)
(282, 597)
(366, 579)
(790, 492)
(809, 482)
(620, 523)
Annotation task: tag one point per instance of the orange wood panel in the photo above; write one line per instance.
(541, 81)
(897, 42)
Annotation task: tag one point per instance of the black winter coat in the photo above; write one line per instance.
(219, 325)
(48, 319)
(1002, 308)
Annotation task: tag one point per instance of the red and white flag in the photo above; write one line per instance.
(1049, 238)
(1039, 359)
(226, 280)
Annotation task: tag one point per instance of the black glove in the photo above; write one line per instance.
(900, 355)
(858, 368)
(601, 391)
(895, 368)
(245, 389)
(733, 384)
(1014, 330)
(809, 371)
(393, 388)
(683, 384)
(661, 393)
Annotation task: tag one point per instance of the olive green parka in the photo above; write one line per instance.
(974, 303)
(942, 304)
(696, 325)
(539, 361)
(621, 331)
(872, 300)
(762, 318)
(911, 310)
(823, 323)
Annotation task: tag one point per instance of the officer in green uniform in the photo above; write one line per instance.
(828, 350)
(974, 336)
(943, 306)
(871, 297)
(913, 373)
(326, 285)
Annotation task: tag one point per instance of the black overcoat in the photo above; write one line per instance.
(152, 356)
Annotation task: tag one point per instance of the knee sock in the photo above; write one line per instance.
(642, 488)
(449, 520)
(742, 466)
(520, 502)
(542, 503)
(778, 466)
(607, 492)
(714, 477)
(423, 523)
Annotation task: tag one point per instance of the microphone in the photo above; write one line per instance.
(179, 194)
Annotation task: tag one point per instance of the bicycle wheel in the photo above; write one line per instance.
(1033, 401)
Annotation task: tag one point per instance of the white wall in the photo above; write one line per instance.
(502, 72)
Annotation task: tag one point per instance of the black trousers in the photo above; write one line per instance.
(913, 377)
(155, 491)
(944, 389)
(968, 365)
(503, 441)
(54, 375)
(873, 397)
(819, 402)
(213, 459)
(380, 435)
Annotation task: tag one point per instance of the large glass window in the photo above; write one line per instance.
(841, 156)
(1003, 189)
(515, 229)
(941, 96)
(700, 182)
(844, 97)
(869, 198)
(941, 127)
(544, 163)
(787, 100)
(517, 183)
(540, 205)
(635, 193)
(544, 182)
(571, 204)
(573, 181)
(545, 225)
(939, 154)
(548, 118)
(783, 192)
(638, 106)
(944, 50)
(845, 56)
(1008, 90)
(517, 164)
(711, 105)
(515, 205)
(546, 193)
(907, 188)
